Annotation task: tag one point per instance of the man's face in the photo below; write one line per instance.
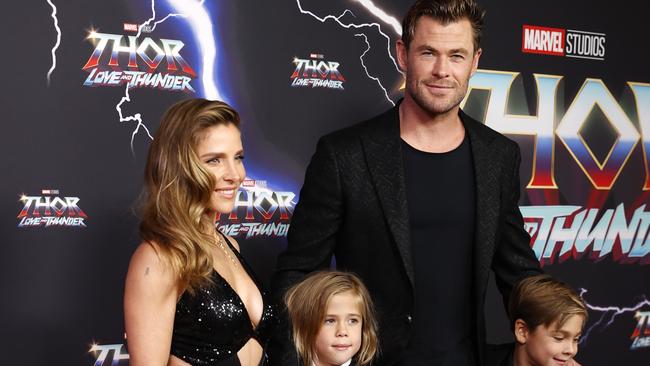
(438, 64)
(553, 345)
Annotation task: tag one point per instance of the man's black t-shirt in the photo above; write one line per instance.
(440, 191)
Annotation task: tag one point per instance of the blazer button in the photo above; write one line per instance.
(409, 319)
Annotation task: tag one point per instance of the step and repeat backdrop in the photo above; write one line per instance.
(86, 83)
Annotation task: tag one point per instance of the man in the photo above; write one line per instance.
(420, 201)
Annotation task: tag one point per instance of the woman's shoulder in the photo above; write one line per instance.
(148, 269)
(147, 254)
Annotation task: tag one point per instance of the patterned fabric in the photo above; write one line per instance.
(211, 326)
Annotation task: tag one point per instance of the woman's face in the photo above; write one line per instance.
(221, 153)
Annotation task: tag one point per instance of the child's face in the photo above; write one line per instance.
(553, 345)
(339, 337)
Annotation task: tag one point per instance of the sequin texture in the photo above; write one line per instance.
(211, 326)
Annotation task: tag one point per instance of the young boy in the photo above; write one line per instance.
(547, 317)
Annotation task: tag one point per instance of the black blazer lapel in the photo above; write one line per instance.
(383, 152)
(487, 200)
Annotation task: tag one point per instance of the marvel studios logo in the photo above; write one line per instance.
(132, 27)
(252, 183)
(563, 42)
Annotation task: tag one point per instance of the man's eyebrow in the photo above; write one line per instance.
(425, 47)
(461, 50)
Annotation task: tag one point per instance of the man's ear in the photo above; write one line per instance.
(477, 56)
(402, 54)
(521, 331)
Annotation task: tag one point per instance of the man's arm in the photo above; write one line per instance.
(311, 240)
(514, 259)
(315, 222)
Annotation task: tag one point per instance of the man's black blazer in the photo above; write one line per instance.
(353, 206)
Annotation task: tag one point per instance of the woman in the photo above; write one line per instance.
(189, 298)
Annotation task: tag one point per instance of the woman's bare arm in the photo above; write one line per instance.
(150, 296)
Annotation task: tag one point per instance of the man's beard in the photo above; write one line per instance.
(435, 104)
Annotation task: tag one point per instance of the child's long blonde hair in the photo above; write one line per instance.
(307, 306)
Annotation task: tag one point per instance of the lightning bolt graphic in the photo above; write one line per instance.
(397, 27)
(377, 12)
(136, 117)
(365, 68)
(608, 312)
(58, 40)
(202, 27)
(127, 98)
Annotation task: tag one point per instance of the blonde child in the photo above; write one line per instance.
(333, 321)
(547, 317)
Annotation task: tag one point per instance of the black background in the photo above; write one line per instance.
(62, 287)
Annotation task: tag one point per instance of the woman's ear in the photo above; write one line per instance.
(521, 331)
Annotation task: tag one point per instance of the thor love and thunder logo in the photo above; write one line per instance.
(641, 334)
(49, 209)
(314, 72)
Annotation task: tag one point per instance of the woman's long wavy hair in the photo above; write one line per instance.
(177, 190)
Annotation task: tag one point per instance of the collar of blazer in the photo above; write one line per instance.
(382, 148)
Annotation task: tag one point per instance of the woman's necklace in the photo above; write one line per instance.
(220, 243)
